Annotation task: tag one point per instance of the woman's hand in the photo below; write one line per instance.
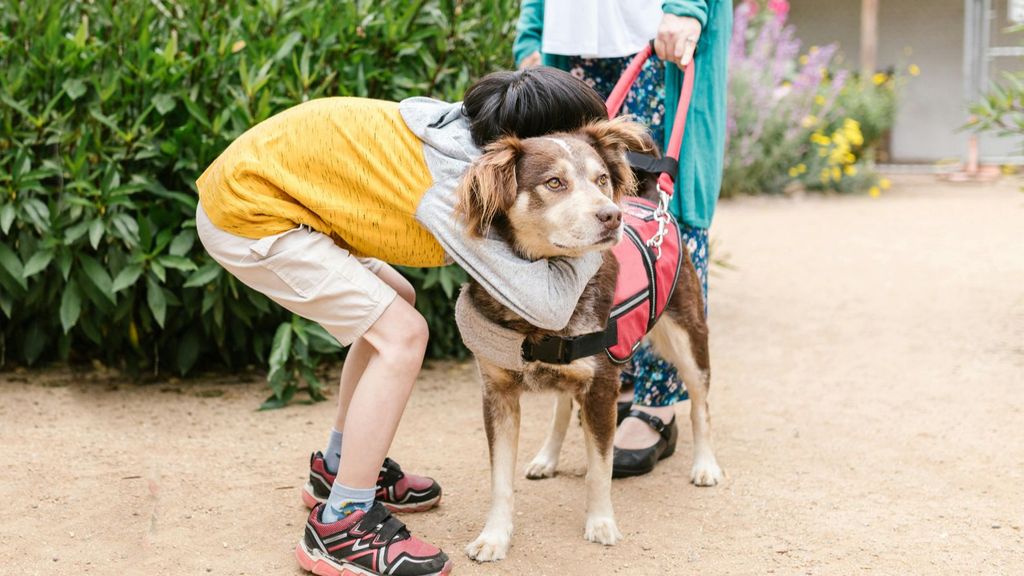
(530, 61)
(677, 38)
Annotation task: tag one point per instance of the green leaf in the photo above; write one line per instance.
(164, 103)
(7, 214)
(281, 346)
(64, 263)
(188, 351)
(37, 262)
(74, 88)
(126, 277)
(70, 306)
(12, 264)
(177, 262)
(6, 303)
(206, 274)
(156, 301)
(33, 343)
(98, 276)
(96, 230)
(182, 243)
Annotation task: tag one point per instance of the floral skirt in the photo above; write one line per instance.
(654, 381)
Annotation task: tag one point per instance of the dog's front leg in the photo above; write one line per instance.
(598, 405)
(501, 419)
(545, 462)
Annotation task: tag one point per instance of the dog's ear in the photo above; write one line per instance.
(611, 139)
(489, 186)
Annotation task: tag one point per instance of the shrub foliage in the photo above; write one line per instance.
(109, 110)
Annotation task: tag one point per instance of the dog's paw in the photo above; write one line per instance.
(705, 471)
(603, 531)
(541, 468)
(488, 547)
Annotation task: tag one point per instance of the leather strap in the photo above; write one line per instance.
(651, 420)
(566, 349)
(651, 164)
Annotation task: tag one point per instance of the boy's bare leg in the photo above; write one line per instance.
(397, 342)
(359, 353)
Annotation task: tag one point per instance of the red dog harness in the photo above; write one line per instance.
(650, 254)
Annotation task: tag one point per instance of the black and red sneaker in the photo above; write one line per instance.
(367, 544)
(399, 491)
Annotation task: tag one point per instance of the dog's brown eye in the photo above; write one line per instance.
(554, 183)
(602, 179)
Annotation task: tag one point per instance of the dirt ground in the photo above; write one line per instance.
(867, 400)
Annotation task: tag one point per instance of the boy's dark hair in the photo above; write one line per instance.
(529, 103)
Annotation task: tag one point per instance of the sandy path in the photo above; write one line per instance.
(868, 403)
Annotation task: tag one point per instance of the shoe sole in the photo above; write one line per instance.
(314, 561)
(311, 500)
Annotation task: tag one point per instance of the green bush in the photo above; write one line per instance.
(109, 112)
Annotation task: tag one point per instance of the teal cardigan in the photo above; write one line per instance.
(701, 157)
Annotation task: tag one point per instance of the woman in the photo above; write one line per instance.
(595, 41)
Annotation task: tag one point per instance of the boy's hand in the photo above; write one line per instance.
(677, 39)
(530, 61)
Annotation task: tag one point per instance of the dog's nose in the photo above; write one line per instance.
(610, 216)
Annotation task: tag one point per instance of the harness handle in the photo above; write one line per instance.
(666, 181)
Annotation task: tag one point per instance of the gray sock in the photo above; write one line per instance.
(344, 501)
(332, 455)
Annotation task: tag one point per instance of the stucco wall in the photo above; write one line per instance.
(928, 33)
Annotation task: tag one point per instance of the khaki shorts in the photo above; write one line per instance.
(305, 272)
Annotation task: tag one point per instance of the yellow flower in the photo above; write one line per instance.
(851, 130)
(836, 174)
(819, 100)
(885, 183)
(879, 78)
(825, 175)
(801, 167)
(874, 192)
(809, 121)
(803, 60)
(850, 170)
(793, 173)
(820, 139)
(914, 70)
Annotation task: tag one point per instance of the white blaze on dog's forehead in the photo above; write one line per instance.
(560, 142)
(594, 166)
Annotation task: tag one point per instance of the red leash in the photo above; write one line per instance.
(666, 182)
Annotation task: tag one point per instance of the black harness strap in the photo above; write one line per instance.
(565, 349)
(650, 164)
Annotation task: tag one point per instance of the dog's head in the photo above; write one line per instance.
(554, 195)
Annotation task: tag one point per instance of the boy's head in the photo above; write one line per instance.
(529, 103)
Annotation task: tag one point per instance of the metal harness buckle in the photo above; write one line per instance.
(661, 215)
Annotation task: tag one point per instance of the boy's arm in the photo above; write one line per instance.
(543, 292)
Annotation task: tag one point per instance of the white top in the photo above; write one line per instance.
(599, 28)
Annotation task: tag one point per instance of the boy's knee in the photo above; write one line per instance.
(406, 292)
(401, 332)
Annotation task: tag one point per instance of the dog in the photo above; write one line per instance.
(559, 196)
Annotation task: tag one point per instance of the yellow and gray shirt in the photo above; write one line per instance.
(379, 178)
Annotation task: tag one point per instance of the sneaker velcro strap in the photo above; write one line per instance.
(651, 420)
(381, 516)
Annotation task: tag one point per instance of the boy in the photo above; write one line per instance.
(312, 205)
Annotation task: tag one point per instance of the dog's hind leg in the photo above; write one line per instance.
(598, 409)
(545, 462)
(501, 419)
(687, 350)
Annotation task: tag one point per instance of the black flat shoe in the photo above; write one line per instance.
(627, 463)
